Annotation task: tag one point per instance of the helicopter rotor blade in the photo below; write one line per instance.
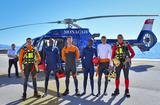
(29, 25)
(71, 21)
(113, 16)
(76, 25)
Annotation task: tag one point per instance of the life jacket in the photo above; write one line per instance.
(122, 51)
(29, 56)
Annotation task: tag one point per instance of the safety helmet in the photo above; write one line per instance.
(95, 60)
(112, 75)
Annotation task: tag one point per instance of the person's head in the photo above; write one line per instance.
(69, 40)
(103, 39)
(28, 41)
(51, 42)
(90, 42)
(120, 38)
(13, 46)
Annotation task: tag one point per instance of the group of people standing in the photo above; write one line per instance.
(114, 58)
(118, 56)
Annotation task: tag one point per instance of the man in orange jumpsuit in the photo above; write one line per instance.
(70, 54)
(28, 58)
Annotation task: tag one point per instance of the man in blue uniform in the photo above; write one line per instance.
(87, 65)
(52, 59)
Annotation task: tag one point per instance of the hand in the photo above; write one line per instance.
(127, 60)
(22, 71)
(83, 69)
(110, 67)
(116, 62)
(23, 74)
(96, 74)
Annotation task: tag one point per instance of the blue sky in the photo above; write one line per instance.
(17, 12)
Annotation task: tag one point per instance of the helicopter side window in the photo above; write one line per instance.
(40, 45)
(75, 42)
(60, 44)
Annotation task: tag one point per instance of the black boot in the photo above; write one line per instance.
(66, 92)
(116, 92)
(127, 93)
(93, 94)
(98, 94)
(77, 92)
(36, 95)
(58, 94)
(24, 96)
(83, 93)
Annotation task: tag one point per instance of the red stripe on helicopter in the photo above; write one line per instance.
(149, 21)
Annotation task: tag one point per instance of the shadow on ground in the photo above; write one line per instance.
(4, 80)
(51, 99)
(141, 68)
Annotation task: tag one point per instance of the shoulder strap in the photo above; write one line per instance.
(116, 43)
(126, 43)
(24, 48)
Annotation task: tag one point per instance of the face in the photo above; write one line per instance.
(50, 42)
(90, 43)
(120, 39)
(13, 46)
(29, 42)
(69, 40)
(104, 40)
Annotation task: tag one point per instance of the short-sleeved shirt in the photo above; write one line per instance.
(12, 53)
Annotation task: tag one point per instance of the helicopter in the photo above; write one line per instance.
(145, 41)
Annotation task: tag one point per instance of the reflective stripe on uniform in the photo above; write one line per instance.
(29, 56)
(121, 52)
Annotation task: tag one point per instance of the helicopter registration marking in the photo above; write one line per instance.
(76, 32)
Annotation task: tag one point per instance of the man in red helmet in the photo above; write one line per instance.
(122, 53)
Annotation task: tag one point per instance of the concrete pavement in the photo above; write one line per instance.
(144, 88)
